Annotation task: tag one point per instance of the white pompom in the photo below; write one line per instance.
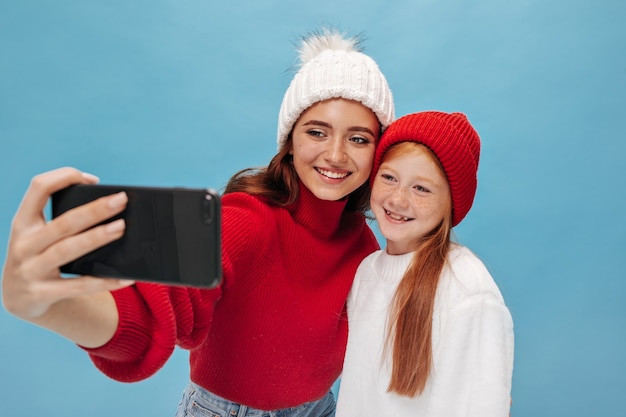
(323, 40)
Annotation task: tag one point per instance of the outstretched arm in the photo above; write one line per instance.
(80, 309)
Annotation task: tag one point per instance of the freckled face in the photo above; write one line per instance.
(333, 147)
(410, 197)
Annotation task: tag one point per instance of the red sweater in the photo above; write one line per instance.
(273, 335)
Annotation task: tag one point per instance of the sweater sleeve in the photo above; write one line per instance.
(474, 363)
(155, 318)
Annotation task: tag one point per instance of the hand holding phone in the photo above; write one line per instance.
(173, 235)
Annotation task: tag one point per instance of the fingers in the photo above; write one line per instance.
(81, 218)
(37, 249)
(31, 283)
(29, 280)
(41, 188)
(70, 223)
(32, 301)
(76, 245)
(85, 285)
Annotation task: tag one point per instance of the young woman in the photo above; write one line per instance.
(272, 336)
(430, 334)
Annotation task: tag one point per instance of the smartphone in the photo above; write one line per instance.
(172, 235)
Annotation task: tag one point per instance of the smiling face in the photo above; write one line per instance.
(410, 196)
(333, 147)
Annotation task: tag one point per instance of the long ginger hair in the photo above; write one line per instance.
(409, 334)
(279, 182)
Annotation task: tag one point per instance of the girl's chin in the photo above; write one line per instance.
(332, 192)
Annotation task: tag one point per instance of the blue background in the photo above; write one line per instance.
(172, 93)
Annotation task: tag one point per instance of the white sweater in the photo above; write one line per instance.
(472, 343)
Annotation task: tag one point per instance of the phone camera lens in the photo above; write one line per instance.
(207, 209)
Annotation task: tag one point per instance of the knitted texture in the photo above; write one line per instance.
(332, 66)
(472, 339)
(273, 334)
(451, 137)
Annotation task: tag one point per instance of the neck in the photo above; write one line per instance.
(321, 216)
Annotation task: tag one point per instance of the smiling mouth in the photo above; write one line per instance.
(332, 174)
(397, 217)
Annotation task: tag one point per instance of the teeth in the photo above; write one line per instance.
(396, 217)
(332, 174)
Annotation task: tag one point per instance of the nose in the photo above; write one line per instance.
(399, 198)
(336, 152)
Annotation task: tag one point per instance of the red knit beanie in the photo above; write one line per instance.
(451, 137)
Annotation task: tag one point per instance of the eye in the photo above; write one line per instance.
(422, 189)
(387, 177)
(360, 140)
(316, 133)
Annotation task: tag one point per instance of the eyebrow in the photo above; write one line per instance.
(328, 125)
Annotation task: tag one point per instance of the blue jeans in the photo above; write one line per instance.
(198, 402)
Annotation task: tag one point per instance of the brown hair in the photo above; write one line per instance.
(278, 182)
(409, 336)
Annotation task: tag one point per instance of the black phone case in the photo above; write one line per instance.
(172, 236)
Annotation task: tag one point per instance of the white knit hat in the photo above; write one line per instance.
(332, 66)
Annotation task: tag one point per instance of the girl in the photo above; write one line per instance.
(430, 334)
(270, 339)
